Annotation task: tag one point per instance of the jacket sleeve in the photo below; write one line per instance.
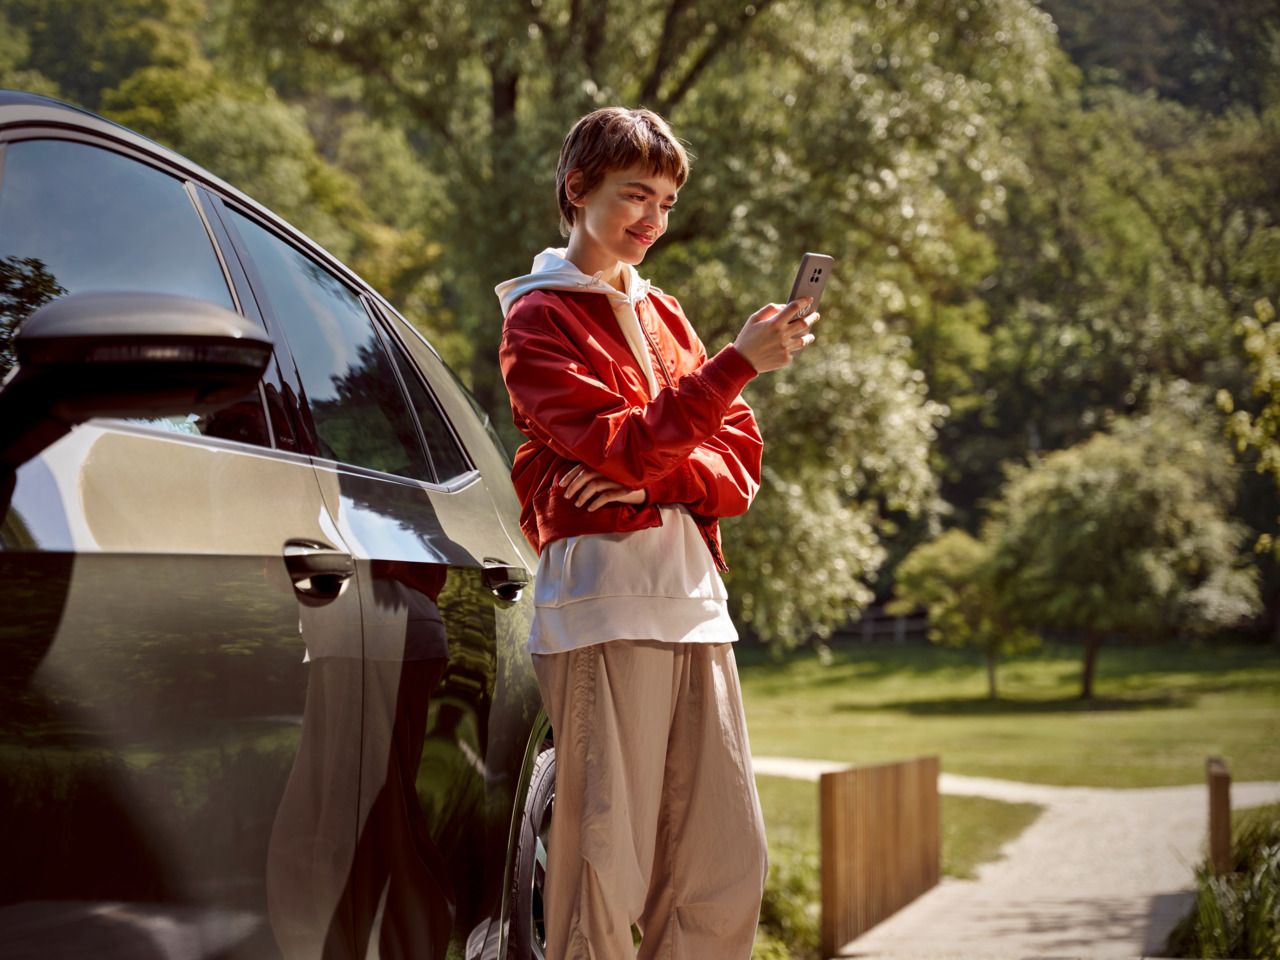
(579, 417)
(720, 477)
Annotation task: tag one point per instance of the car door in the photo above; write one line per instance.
(439, 582)
(162, 583)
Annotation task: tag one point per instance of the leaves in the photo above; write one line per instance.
(1128, 532)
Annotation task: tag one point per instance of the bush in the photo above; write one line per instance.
(1237, 914)
(790, 911)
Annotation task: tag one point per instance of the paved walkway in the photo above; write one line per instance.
(1101, 873)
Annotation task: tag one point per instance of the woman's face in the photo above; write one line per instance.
(620, 219)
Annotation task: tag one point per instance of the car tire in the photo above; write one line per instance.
(527, 939)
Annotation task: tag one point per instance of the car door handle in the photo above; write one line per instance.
(505, 580)
(317, 570)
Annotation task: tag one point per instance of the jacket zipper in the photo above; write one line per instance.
(653, 350)
(716, 555)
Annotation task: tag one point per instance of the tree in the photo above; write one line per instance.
(1128, 533)
(1212, 54)
(86, 47)
(1256, 429)
(878, 133)
(952, 579)
(1260, 431)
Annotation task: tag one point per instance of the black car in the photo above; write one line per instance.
(264, 597)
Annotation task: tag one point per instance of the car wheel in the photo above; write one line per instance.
(528, 937)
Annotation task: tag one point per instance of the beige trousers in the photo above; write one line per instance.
(657, 821)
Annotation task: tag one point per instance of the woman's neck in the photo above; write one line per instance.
(611, 271)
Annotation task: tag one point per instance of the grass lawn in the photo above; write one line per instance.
(973, 828)
(1158, 711)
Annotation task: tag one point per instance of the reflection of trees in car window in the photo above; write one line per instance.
(350, 431)
(76, 218)
(25, 285)
(98, 220)
(446, 456)
(351, 390)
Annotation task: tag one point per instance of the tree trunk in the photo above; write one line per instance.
(1092, 643)
(493, 224)
(991, 676)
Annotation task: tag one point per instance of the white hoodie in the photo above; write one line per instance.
(658, 583)
(551, 271)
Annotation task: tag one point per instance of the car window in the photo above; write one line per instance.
(446, 456)
(429, 360)
(75, 217)
(351, 391)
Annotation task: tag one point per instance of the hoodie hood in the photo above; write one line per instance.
(552, 271)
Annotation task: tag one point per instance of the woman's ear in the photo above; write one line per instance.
(573, 187)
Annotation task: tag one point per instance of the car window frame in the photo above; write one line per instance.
(14, 134)
(387, 329)
(286, 234)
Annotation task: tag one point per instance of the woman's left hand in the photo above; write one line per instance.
(592, 489)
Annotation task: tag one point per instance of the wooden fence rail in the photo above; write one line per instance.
(880, 844)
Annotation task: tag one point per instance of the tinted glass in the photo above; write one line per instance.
(75, 218)
(446, 455)
(359, 412)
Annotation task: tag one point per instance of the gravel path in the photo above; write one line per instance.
(1102, 873)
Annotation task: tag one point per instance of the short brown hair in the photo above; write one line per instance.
(614, 138)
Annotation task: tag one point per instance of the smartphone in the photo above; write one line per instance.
(811, 279)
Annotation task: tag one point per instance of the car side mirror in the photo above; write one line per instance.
(123, 355)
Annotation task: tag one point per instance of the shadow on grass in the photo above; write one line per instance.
(869, 662)
(977, 707)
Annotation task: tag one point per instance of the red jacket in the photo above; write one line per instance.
(579, 395)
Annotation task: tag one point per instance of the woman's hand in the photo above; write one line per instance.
(592, 489)
(774, 334)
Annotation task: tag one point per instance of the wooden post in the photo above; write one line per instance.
(1219, 815)
(880, 844)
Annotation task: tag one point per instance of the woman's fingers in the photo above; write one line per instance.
(600, 497)
(577, 479)
(571, 475)
(767, 312)
(585, 486)
(591, 489)
(616, 494)
(594, 488)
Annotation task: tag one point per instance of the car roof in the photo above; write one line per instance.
(32, 110)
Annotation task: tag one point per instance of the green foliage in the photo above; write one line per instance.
(1259, 431)
(879, 134)
(1128, 533)
(789, 910)
(1210, 53)
(1237, 914)
(86, 47)
(847, 433)
(952, 578)
(1025, 251)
